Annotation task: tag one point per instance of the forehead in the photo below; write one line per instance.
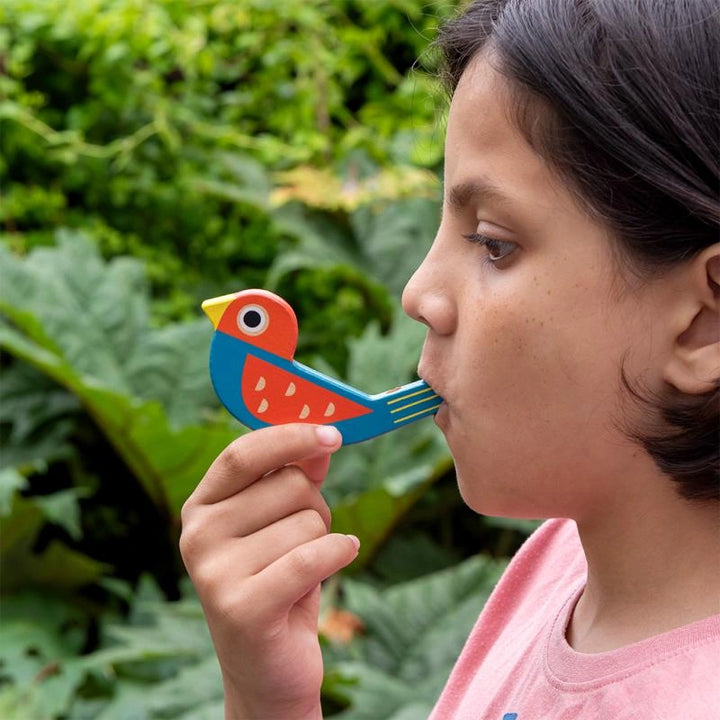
(483, 145)
(479, 119)
(482, 96)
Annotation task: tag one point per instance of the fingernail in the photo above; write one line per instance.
(355, 541)
(328, 435)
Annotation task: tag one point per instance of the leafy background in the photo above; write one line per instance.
(154, 153)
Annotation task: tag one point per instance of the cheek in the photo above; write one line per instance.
(542, 382)
(546, 339)
(518, 345)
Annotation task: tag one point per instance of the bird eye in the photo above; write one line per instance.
(252, 320)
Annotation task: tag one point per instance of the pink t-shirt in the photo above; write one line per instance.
(517, 664)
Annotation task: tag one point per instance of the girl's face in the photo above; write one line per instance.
(528, 324)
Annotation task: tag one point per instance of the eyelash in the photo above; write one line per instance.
(494, 247)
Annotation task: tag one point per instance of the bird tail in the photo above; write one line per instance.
(411, 402)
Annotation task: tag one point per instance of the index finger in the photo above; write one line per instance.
(254, 455)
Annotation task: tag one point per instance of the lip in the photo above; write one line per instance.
(428, 379)
(441, 417)
(431, 382)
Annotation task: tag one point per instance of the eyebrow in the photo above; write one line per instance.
(461, 195)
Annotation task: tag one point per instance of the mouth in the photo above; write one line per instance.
(429, 380)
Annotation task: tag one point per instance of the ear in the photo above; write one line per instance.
(694, 365)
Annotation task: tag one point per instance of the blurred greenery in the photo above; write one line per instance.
(154, 153)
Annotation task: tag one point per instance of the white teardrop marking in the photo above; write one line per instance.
(260, 384)
(263, 406)
(290, 390)
(329, 410)
(304, 412)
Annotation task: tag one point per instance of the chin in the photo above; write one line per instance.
(496, 498)
(475, 497)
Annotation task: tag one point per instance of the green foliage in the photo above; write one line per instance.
(93, 339)
(160, 662)
(159, 126)
(162, 647)
(38, 417)
(57, 566)
(40, 638)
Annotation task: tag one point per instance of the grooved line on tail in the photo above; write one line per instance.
(412, 404)
(405, 397)
(426, 411)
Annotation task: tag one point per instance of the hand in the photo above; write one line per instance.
(256, 543)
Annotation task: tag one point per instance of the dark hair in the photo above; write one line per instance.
(622, 99)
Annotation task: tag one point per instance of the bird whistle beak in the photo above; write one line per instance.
(215, 307)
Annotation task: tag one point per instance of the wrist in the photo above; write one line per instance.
(239, 708)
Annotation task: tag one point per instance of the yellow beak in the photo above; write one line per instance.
(215, 307)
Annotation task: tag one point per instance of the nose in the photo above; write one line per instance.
(428, 295)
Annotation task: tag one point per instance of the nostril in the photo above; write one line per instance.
(414, 310)
(437, 311)
(421, 319)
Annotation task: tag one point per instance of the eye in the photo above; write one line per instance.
(253, 320)
(497, 250)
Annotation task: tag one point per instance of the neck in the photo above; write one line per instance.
(653, 565)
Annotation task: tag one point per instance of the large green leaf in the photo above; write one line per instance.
(159, 664)
(395, 237)
(320, 243)
(11, 481)
(162, 664)
(168, 461)
(409, 554)
(39, 416)
(376, 695)
(95, 316)
(186, 694)
(111, 364)
(40, 637)
(55, 566)
(386, 242)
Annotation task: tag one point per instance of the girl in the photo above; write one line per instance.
(572, 300)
